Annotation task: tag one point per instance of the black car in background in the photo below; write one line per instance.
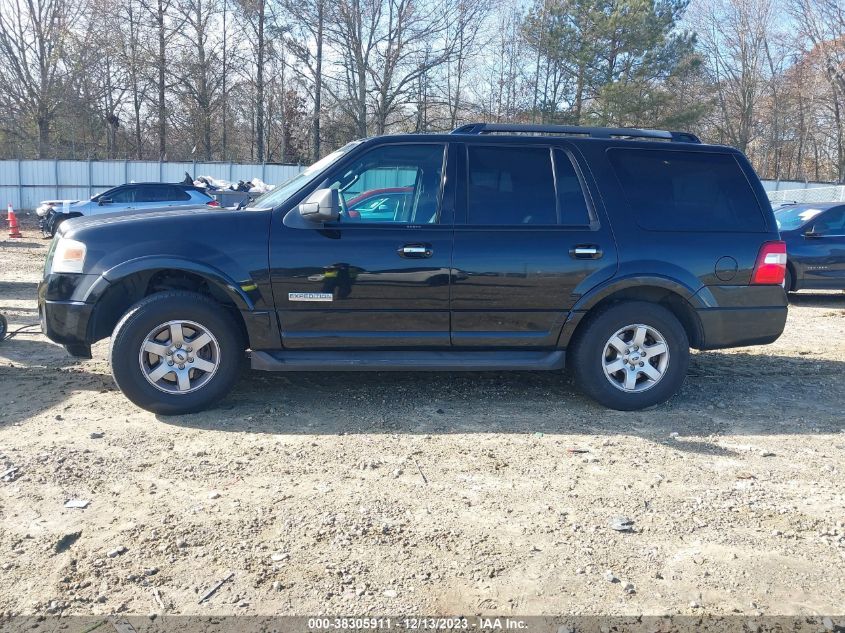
(815, 245)
(610, 252)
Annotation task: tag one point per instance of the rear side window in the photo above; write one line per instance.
(510, 185)
(177, 193)
(687, 191)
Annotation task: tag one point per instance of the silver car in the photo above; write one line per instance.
(134, 196)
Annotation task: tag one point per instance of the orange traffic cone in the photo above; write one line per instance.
(14, 230)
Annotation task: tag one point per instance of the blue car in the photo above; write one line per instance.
(815, 245)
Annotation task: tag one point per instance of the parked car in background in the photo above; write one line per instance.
(382, 205)
(815, 245)
(140, 196)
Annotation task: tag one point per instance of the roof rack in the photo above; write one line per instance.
(576, 130)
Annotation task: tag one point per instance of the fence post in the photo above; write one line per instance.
(90, 180)
(20, 185)
(56, 176)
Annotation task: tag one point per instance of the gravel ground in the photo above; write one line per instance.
(425, 493)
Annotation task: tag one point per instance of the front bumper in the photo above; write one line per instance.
(65, 320)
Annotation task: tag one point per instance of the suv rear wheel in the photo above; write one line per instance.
(176, 352)
(631, 355)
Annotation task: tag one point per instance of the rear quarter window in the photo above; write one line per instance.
(687, 191)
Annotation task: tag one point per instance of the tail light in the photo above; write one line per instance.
(213, 203)
(771, 264)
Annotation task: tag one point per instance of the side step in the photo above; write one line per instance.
(288, 360)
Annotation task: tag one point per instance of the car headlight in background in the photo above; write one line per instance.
(69, 256)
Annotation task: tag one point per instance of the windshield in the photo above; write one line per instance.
(793, 218)
(284, 191)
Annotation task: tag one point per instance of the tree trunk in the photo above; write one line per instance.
(162, 84)
(225, 87)
(259, 85)
(43, 137)
(318, 83)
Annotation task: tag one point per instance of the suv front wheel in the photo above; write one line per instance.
(176, 352)
(631, 355)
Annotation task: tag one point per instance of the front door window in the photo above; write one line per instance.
(393, 184)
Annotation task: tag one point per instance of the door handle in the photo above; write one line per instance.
(415, 251)
(585, 251)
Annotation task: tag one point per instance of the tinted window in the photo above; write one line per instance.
(127, 194)
(510, 185)
(160, 193)
(831, 223)
(573, 205)
(412, 171)
(687, 191)
(177, 193)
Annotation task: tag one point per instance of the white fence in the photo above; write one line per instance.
(834, 193)
(25, 183)
(798, 191)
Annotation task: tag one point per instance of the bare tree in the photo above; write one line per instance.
(733, 36)
(34, 67)
(307, 44)
(200, 78)
(822, 22)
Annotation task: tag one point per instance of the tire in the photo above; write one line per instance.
(155, 323)
(593, 350)
(787, 281)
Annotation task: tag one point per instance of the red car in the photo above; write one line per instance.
(378, 205)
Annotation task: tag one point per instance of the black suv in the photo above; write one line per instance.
(607, 251)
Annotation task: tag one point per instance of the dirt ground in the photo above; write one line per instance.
(424, 493)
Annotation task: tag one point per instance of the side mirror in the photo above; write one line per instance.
(812, 232)
(102, 201)
(321, 206)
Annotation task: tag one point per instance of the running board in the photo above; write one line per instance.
(287, 360)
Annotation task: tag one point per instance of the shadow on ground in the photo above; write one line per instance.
(26, 290)
(817, 299)
(724, 393)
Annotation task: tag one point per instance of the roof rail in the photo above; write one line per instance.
(576, 130)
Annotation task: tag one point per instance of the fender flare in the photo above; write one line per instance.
(592, 298)
(230, 287)
(602, 291)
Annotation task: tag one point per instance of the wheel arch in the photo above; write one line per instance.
(119, 289)
(675, 297)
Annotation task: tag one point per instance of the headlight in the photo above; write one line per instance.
(69, 256)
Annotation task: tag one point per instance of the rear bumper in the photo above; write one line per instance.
(737, 327)
(734, 316)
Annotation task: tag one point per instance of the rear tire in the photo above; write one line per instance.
(153, 359)
(630, 355)
(787, 280)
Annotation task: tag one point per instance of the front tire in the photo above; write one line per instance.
(176, 352)
(631, 355)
